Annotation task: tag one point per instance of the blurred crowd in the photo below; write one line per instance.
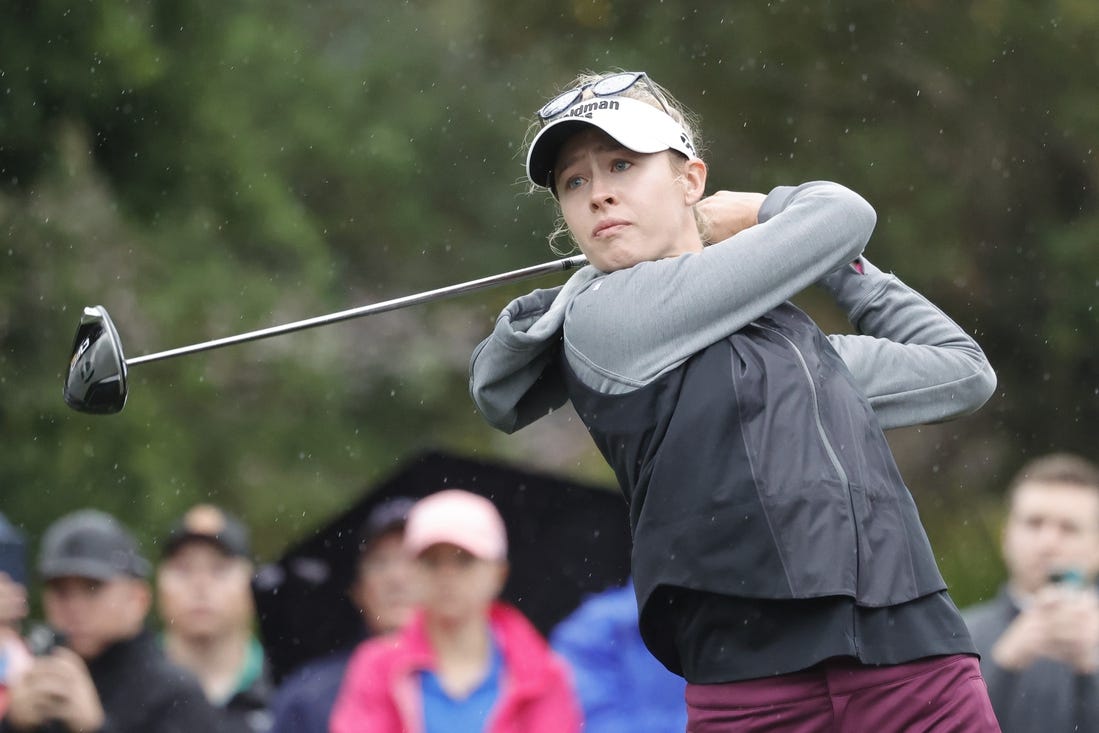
(167, 642)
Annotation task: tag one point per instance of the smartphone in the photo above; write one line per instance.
(43, 639)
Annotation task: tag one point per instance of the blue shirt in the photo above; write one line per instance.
(445, 714)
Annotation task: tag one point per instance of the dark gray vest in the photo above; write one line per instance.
(757, 469)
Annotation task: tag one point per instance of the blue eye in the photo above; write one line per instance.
(621, 165)
(573, 182)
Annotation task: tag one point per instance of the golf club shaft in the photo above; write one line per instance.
(525, 273)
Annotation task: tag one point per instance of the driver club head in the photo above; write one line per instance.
(97, 370)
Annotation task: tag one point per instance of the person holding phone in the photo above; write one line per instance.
(110, 675)
(1039, 637)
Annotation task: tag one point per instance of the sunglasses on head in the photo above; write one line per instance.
(606, 86)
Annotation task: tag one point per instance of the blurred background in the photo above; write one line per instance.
(202, 169)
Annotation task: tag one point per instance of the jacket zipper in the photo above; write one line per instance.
(824, 439)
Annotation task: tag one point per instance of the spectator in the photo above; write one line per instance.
(622, 687)
(14, 657)
(382, 590)
(204, 594)
(110, 676)
(1039, 637)
(465, 662)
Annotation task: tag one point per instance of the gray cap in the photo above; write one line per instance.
(89, 544)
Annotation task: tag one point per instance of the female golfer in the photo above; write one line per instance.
(779, 560)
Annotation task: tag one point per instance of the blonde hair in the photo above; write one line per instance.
(642, 91)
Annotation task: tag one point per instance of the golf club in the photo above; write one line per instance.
(96, 382)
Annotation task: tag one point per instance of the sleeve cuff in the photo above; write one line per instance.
(852, 288)
(775, 202)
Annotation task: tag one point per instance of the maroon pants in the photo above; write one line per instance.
(939, 694)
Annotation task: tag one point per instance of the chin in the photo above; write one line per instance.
(614, 264)
(87, 650)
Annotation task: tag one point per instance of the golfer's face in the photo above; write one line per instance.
(457, 586)
(623, 207)
(1051, 528)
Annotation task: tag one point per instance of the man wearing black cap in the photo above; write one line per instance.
(109, 676)
(382, 590)
(204, 596)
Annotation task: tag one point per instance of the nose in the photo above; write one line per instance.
(602, 192)
(1050, 537)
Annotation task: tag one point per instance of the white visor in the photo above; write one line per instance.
(636, 125)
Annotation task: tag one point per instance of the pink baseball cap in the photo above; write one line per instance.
(459, 518)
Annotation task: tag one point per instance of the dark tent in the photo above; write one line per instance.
(567, 540)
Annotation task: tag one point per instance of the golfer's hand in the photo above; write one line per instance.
(727, 212)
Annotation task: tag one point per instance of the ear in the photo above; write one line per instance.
(694, 180)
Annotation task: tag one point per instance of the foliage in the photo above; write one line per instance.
(202, 169)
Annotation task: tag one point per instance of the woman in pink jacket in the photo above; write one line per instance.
(466, 662)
